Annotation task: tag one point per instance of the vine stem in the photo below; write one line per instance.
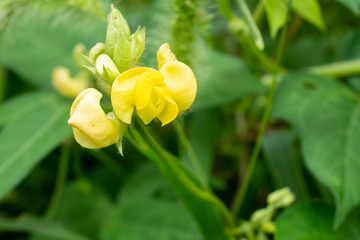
(60, 181)
(240, 195)
(190, 152)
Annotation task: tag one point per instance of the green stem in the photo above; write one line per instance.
(190, 152)
(60, 181)
(108, 161)
(337, 69)
(240, 195)
(254, 30)
(162, 155)
(3, 79)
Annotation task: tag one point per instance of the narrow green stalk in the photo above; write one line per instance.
(3, 79)
(240, 195)
(337, 69)
(259, 11)
(162, 155)
(108, 161)
(254, 30)
(183, 30)
(60, 181)
(191, 154)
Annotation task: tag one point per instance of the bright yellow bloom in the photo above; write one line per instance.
(66, 85)
(91, 126)
(162, 94)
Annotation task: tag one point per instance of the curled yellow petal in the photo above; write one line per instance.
(153, 109)
(122, 93)
(66, 85)
(164, 55)
(181, 82)
(170, 109)
(91, 126)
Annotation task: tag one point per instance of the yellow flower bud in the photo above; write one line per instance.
(106, 68)
(91, 126)
(66, 85)
(162, 94)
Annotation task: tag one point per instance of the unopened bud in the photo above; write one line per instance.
(66, 85)
(117, 31)
(137, 45)
(78, 52)
(281, 198)
(106, 68)
(95, 51)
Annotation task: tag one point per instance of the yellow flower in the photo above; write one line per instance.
(91, 126)
(66, 85)
(162, 94)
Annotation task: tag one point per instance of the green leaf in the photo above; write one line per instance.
(143, 219)
(27, 138)
(310, 10)
(276, 11)
(223, 79)
(12, 107)
(326, 114)
(83, 208)
(42, 227)
(41, 36)
(145, 210)
(283, 163)
(353, 5)
(224, 7)
(314, 221)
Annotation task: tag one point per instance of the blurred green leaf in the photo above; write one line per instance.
(143, 219)
(145, 212)
(202, 139)
(223, 79)
(40, 36)
(83, 208)
(326, 114)
(353, 5)
(55, 231)
(310, 10)
(27, 138)
(276, 11)
(314, 221)
(225, 9)
(283, 163)
(12, 107)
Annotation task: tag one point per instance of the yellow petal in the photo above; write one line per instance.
(66, 85)
(181, 82)
(153, 109)
(91, 126)
(122, 92)
(165, 55)
(170, 109)
(143, 92)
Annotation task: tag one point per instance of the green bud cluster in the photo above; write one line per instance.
(121, 51)
(261, 222)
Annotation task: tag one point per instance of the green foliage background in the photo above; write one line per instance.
(310, 143)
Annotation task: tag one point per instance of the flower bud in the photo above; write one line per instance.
(96, 50)
(117, 31)
(281, 198)
(78, 52)
(66, 85)
(91, 126)
(106, 68)
(164, 55)
(137, 45)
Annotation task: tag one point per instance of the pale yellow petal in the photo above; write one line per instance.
(66, 85)
(122, 93)
(181, 82)
(164, 55)
(92, 127)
